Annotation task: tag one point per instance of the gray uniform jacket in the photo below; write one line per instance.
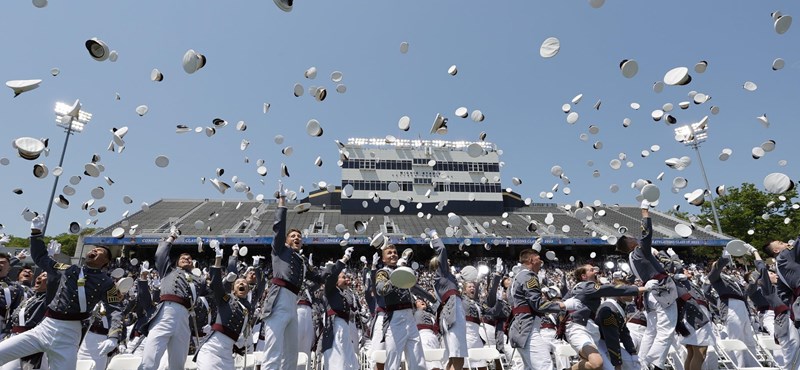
(176, 284)
(646, 266)
(613, 331)
(783, 320)
(394, 297)
(726, 287)
(527, 303)
(232, 312)
(63, 293)
(788, 262)
(445, 285)
(590, 294)
(690, 301)
(289, 268)
(33, 309)
(338, 305)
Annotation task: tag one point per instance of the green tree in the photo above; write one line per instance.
(748, 208)
(68, 241)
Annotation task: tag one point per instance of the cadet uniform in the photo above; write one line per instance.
(694, 317)
(428, 333)
(785, 333)
(788, 262)
(71, 292)
(399, 327)
(280, 325)
(29, 314)
(338, 349)
(451, 313)
(378, 315)
(12, 294)
(232, 316)
(662, 313)
(143, 309)
(472, 311)
(581, 330)
(97, 333)
(611, 319)
(168, 328)
(733, 309)
(637, 325)
(526, 319)
(306, 333)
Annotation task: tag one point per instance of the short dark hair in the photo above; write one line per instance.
(768, 249)
(108, 253)
(525, 255)
(5, 256)
(293, 230)
(622, 244)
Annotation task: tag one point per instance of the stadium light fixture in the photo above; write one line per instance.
(692, 136)
(73, 120)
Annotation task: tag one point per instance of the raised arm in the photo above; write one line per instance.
(279, 226)
(716, 270)
(441, 255)
(491, 298)
(422, 293)
(163, 262)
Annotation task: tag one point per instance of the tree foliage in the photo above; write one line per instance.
(747, 208)
(68, 241)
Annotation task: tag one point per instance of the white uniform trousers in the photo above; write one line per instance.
(488, 334)
(627, 359)
(17, 364)
(354, 337)
(580, 336)
(342, 355)
(216, 353)
(512, 355)
(455, 344)
(280, 333)
(402, 336)
(549, 336)
(430, 341)
(376, 342)
(637, 332)
(790, 343)
(90, 350)
(474, 341)
(536, 352)
(169, 330)
(768, 322)
(659, 334)
(56, 338)
(739, 327)
(305, 329)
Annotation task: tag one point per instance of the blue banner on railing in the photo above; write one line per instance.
(267, 240)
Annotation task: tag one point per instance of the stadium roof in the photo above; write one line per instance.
(251, 223)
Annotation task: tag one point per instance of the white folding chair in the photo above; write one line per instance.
(302, 361)
(564, 349)
(434, 354)
(735, 346)
(85, 365)
(767, 344)
(488, 354)
(124, 363)
(240, 361)
(190, 364)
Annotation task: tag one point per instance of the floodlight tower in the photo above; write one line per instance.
(692, 136)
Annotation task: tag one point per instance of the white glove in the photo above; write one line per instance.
(231, 277)
(53, 248)
(38, 222)
(375, 259)
(281, 193)
(671, 252)
(311, 259)
(174, 232)
(257, 260)
(218, 252)
(650, 285)
(214, 244)
(199, 241)
(725, 253)
(433, 234)
(4, 239)
(107, 346)
(235, 249)
(347, 253)
(572, 304)
(645, 204)
(402, 262)
(750, 249)
(207, 329)
(499, 267)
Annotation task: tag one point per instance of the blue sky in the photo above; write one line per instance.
(256, 53)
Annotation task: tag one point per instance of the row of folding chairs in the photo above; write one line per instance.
(131, 362)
